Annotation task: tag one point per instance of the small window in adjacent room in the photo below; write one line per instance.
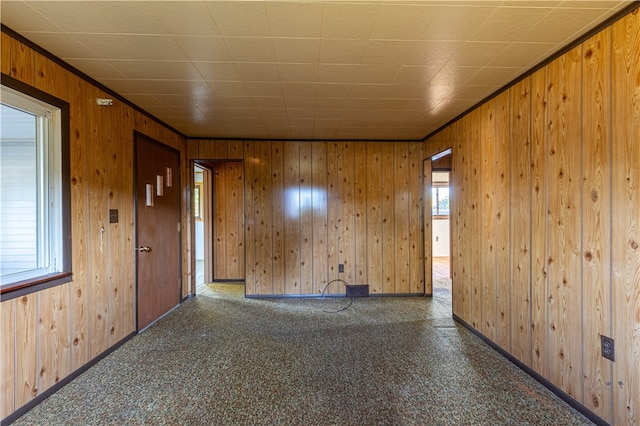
(440, 194)
(34, 190)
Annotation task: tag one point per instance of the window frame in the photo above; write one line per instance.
(41, 282)
(436, 186)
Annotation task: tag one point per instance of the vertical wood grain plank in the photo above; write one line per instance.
(97, 236)
(502, 219)
(50, 77)
(250, 234)
(487, 231)
(207, 150)
(401, 216)
(7, 357)
(333, 215)
(27, 386)
(539, 250)
(416, 235)
(388, 228)
(346, 221)
(193, 149)
(127, 222)
(319, 203)
(221, 149)
(115, 231)
(219, 222)
(625, 241)
(461, 201)
(520, 180)
(475, 219)
(427, 221)
(234, 216)
(5, 55)
(596, 219)
(360, 211)
(565, 272)
(54, 331)
(374, 216)
(279, 221)
(79, 202)
(264, 221)
(234, 150)
(22, 62)
(306, 218)
(292, 207)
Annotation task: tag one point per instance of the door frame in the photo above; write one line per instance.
(177, 181)
(427, 170)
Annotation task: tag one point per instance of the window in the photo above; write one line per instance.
(34, 189)
(440, 194)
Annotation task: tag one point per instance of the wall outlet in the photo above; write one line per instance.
(608, 348)
(341, 267)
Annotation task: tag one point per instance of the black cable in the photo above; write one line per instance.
(346, 284)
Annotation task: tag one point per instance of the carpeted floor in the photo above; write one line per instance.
(220, 359)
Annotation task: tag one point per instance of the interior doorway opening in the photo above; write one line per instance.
(441, 221)
(218, 206)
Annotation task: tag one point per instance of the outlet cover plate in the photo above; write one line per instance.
(608, 348)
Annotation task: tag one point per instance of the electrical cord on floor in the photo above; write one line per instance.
(346, 284)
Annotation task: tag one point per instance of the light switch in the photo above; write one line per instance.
(113, 215)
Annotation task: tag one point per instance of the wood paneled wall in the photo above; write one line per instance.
(546, 219)
(228, 220)
(50, 334)
(310, 206)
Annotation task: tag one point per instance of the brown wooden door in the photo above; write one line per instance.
(157, 230)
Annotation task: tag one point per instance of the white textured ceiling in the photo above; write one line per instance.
(307, 69)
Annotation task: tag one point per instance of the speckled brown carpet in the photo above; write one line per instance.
(220, 359)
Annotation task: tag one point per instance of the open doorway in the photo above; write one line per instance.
(441, 223)
(219, 222)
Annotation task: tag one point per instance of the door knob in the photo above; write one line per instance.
(144, 248)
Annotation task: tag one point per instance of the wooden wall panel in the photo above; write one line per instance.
(5, 53)
(306, 219)
(333, 216)
(427, 221)
(566, 160)
(55, 347)
(625, 211)
(564, 197)
(596, 216)
(373, 161)
(235, 237)
(60, 329)
(97, 211)
(278, 211)
(22, 62)
(264, 218)
(250, 233)
(539, 183)
(417, 240)
(520, 218)
(401, 215)
(502, 218)
(291, 219)
(346, 207)
(488, 184)
(79, 203)
(219, 218)
(360, 213)
(319, 205)
(7, 357)
(388, 234)
(116, 199)
(127, 220)
(475, 219)
(27, 362)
